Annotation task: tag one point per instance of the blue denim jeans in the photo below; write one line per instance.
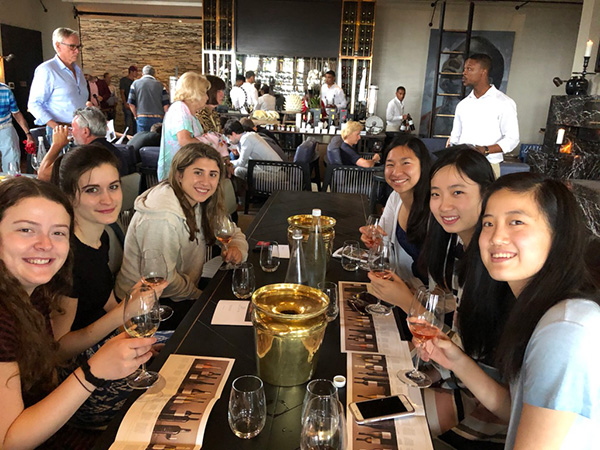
(145, 123)
(9, 147)
(129, 121)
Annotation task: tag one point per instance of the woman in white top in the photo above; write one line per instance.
(406, 212)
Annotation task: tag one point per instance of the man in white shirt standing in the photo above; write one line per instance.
(486, 118)
(251, 92)
(237, 94)
(394, 113)
(332, 95)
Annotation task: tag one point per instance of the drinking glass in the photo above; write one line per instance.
(13, 169)
(247, 412)
(425, 320)
(372, 224)
(141, 319)
(154, 272)
(269, 257)
(351, 256)
(224, 234)
(330, 290)
(324, 426)
(380, 264)
(319, 388)
(242, 281)
(36, 161)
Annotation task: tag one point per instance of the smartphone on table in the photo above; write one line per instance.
(382, 409)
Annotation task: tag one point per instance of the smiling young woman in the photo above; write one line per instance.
(36, 223)
(178, 217)
(529, 261)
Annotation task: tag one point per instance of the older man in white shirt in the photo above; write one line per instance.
(332, 95)
(394, 113)
(486, 118)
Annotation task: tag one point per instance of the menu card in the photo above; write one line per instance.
(363, 332)
(173, 413)
(374, 376)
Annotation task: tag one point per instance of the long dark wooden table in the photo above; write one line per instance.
(196, 336)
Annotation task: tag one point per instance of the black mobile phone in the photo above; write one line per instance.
(382, 409)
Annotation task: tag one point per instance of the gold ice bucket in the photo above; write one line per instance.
(289, 324)
(303, 222)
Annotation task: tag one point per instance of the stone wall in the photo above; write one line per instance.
(112, 45)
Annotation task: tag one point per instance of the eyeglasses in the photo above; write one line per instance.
(73, 47)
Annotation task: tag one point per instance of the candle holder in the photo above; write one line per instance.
(579, 85)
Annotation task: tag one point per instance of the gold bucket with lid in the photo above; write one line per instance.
(303, 222)
(289, 324)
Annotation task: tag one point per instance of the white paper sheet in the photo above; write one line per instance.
(232, 312)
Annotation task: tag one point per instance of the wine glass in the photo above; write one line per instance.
(154, 272)
(425, 320)
(242, 281)
(247, 412)
(13, 169)
(141, 319)
(380, 264)
(351, 256)
(269, 257)
(372, 234)
(324, 425)
(36, 161)
(318, 388)
(224, 233)
(330, 290)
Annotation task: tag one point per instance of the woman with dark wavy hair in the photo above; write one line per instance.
(36, 223)
(178, 217)
(529, 245)
(406, 212)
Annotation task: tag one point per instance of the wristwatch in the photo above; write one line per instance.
(90, 377)
(486, 150)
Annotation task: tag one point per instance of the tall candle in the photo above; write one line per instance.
(560, 136)
(588, 49)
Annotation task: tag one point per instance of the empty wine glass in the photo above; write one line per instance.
(141, 319)
(154, 272)
(36, 161)
(381, 265)
(425, 320)
(243, 282)
(318, 388)
(13, 169)
(324, 425)
(247, 413)
(225, 229)
(330, 290)
(351, 256)
(269, 257)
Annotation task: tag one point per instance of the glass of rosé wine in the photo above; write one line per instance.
(425, 320)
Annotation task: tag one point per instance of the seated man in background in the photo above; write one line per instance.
(89, 127)
(146, 139)
(249, 146)
(342, 149)
(269, 137)
(266, 101)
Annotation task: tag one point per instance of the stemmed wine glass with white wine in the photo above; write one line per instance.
(141, 319)
(425, 320)
(225, 229)
(154, 272)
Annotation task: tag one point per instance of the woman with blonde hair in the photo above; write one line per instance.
(180, 125)
(178, 217)
(342, 149)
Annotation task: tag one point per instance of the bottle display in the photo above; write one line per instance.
(316, 254)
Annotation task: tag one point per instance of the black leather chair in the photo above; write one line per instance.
(306, 154)
(266, 177)
(148, 167)
(127, 157)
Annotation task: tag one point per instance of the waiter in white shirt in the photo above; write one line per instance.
(251, 92)
(486, 118)
(238, 95)
(332, 95)
(394, 113)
